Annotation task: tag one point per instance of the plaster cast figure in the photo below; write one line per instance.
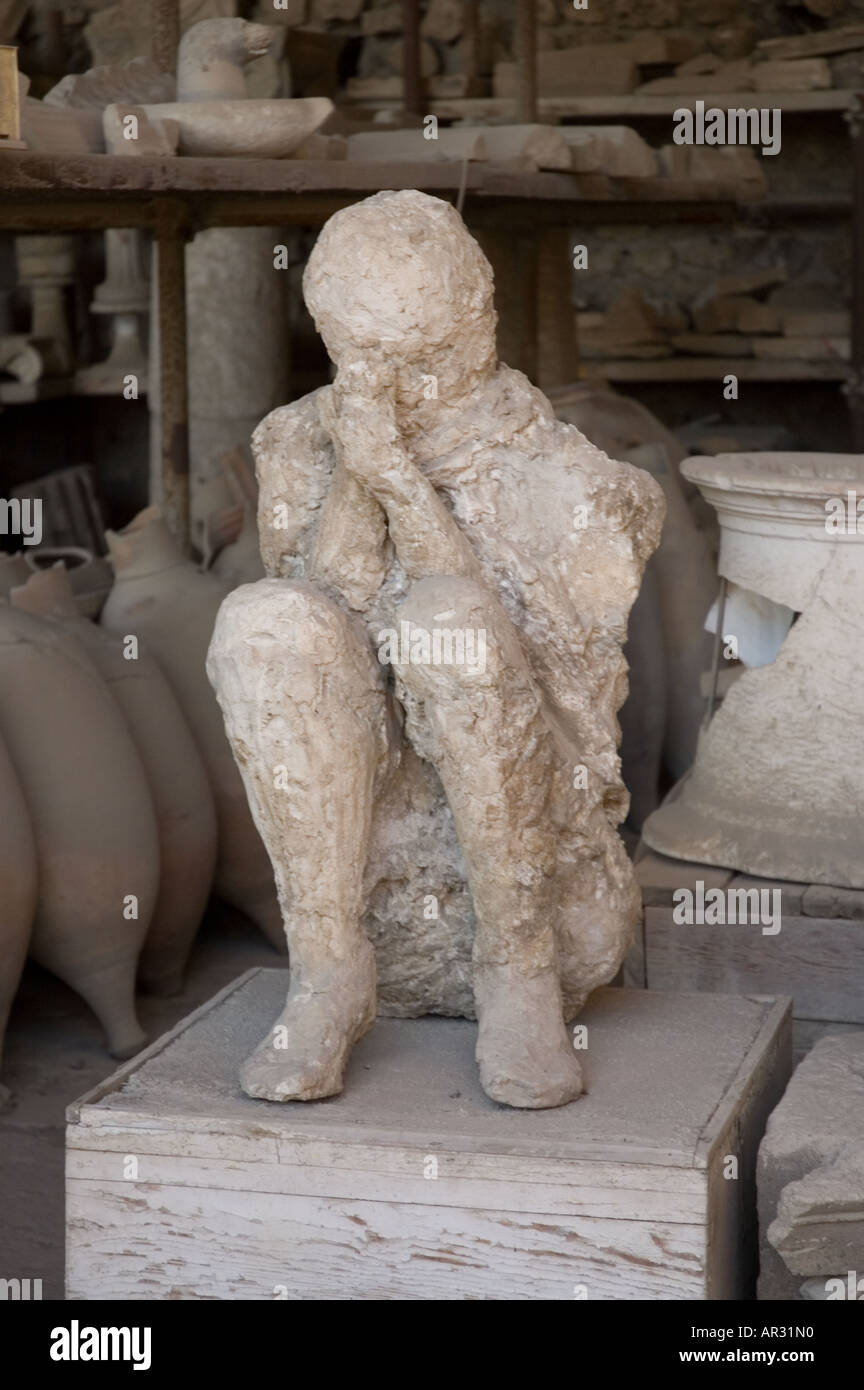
(422, 697)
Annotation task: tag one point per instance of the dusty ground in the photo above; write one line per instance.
(54, 1053)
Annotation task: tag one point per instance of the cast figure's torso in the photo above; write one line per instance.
(553, 522)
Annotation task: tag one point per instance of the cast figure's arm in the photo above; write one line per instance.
(360, 418)
(315, 521)
(349, 550)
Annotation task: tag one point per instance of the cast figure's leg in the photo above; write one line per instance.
(494, 754)
(305, 711)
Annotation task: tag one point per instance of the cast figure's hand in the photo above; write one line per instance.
(359, 414)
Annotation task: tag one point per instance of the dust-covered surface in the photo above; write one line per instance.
(657, 1067)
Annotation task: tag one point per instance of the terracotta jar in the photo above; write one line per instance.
(96, 837)
(17, 889)
(14, 570)
(164, 601)
(175, 774)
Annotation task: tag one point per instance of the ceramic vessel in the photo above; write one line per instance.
(89, 575)
(14, 570)
(17, 889)
(777, 788)
(261, 129)
(171, 607)
(92, 814)
(175, 774)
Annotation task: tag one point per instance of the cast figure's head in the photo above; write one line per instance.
(400, 274)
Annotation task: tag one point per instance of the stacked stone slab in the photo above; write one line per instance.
(810, 1177)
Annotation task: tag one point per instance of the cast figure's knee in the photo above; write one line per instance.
(454, 632)
(292, 617)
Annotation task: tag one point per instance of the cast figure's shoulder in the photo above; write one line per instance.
(293, 464)
(617, 496)
(292, 426)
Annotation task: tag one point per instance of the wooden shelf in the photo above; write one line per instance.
(710, 369)
(635, 104)
(181, 195)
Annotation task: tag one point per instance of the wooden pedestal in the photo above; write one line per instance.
(817, 957)
(412, 1184)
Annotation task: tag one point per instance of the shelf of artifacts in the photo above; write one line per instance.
(81, 192)
(752, 325)
(654, 75)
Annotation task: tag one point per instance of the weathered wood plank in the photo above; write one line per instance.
(178, 1242)
(412, 1184)
(602, 1191)
(818, 961)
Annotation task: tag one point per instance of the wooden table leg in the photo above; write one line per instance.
(165, 34)
(525, 45)
(513, 257)
(412, 82)
(557, 353)
(854, 387)
(173, 412)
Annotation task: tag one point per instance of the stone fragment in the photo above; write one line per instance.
(544, 146)
(455, 144)
(445, 87)
(824, 323)
(631, 327)
(123, 31)
(811, 1172)
(137, 81)
(755, 318)
(649, 49)
(129, 130)
(319, 146)
(810, 349)
(20, 357)
(750, 281)
(49, 129)
(718, 314)
(802, 75)
(735, 40)
(721, 164)
(700, 65)
(616, 150)
(729, 77)
(442, 20)
(823, 41)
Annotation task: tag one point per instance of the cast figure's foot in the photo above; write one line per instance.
(524, 1053)
(304, 1055)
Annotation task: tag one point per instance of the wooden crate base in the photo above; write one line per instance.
(817, 957)
(412, 1184)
